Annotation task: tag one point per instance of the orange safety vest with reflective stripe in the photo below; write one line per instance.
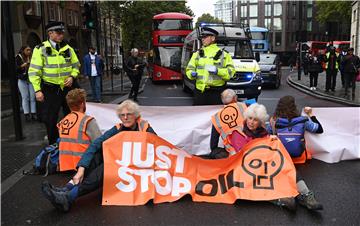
(143, 125)
(73, 139)
(228, 119)
(302, 158)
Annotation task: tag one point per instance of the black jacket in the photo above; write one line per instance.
(130, 65)
(351, 63)
(21, 73)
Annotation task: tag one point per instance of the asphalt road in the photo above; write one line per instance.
(336, 186)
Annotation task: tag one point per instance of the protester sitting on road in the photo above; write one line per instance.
(76, 130)
(255, 117)
(89, 176)
(289, 125)
(220, 127)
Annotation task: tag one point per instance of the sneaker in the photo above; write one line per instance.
(287, 203)
(27, 118)
(59, 199)
(308, 200)
(314, 88)
(34, 117)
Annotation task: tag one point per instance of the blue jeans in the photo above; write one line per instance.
(27, 96)
(95, 82)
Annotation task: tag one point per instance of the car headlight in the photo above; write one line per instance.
(257, 75)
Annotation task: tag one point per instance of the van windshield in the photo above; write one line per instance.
(240, 49)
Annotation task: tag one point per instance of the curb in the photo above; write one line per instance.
(318, 94)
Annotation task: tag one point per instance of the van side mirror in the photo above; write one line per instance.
(257, 56)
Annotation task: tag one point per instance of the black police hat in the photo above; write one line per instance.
(351, 49)
(206, 31)
(55, 26)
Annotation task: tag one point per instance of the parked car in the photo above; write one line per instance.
(270, 67)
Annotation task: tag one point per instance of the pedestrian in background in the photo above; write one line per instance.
(332, 60)
(53, 69)
(135, 68)
(314, 68)
(93, 69)
(211, 67)
(22, 62)
(351, 64)
(341, 66)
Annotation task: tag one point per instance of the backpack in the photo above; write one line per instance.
(46, 162)
(291, 134)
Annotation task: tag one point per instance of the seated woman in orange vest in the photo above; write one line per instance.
(290, 128)
(89, 176)
(76, 131)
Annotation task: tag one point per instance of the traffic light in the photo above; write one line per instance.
(88, 15)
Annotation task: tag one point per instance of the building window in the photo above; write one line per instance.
(243, 11)
(277, 24)
(267, 0)
(253, 11)
(277, 9)
(294, 10)
(32, 8)
(55, 12)
(253, 1)
(309, 12)
(267, 10)
(268, 23)
(309, 25)
(253, 22)
(72, 18)
(278, 39)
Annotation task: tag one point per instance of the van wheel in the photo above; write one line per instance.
(185, 88)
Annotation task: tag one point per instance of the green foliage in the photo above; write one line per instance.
(206, 17)
(331, 11)
(136, 18)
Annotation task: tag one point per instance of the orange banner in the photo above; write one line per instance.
(140, 166)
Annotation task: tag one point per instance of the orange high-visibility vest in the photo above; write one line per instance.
(228, 119)
(143, 125)
(73, 139)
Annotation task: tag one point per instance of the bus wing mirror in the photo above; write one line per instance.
(257, 56)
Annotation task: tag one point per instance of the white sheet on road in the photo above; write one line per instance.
(189, 128)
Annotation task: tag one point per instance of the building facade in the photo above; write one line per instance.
(224, 10)
(288, 22)
(29, 19)
(355, 27)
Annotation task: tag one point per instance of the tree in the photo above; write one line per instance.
(333, 11)
(206, 17)
(135, 18)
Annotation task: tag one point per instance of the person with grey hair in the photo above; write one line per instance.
(228, 96)
(134, 69)
(89, 176)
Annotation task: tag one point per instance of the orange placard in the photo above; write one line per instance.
(140, 166)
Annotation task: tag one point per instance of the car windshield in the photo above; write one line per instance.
(168, 57)
(267, 59)
(238, 49)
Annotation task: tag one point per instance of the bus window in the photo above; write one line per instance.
(168, 57)
(172, 25)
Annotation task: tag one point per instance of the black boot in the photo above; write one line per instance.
(34, 117)
(27, 118)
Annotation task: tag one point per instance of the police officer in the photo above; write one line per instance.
(332, 60)
(211, 67)
(53, 69)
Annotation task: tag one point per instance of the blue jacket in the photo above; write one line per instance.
(87, 65)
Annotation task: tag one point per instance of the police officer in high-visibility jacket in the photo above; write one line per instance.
(53, 69)
(211, 67)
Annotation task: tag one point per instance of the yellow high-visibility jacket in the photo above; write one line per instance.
(204, 80)
(52, 66)
(327, 59)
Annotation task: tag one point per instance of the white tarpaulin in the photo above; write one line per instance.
(189, 128)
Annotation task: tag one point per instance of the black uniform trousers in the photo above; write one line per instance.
(209, 96)
(350, 80)
(330, 79)
(313, 79)
(54, 98)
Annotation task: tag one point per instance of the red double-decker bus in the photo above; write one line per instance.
(169, 32)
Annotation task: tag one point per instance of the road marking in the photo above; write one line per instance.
(173, 87)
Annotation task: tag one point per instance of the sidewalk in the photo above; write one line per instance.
(19, 155)
(337, 96)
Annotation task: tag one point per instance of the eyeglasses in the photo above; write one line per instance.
(126, 114)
